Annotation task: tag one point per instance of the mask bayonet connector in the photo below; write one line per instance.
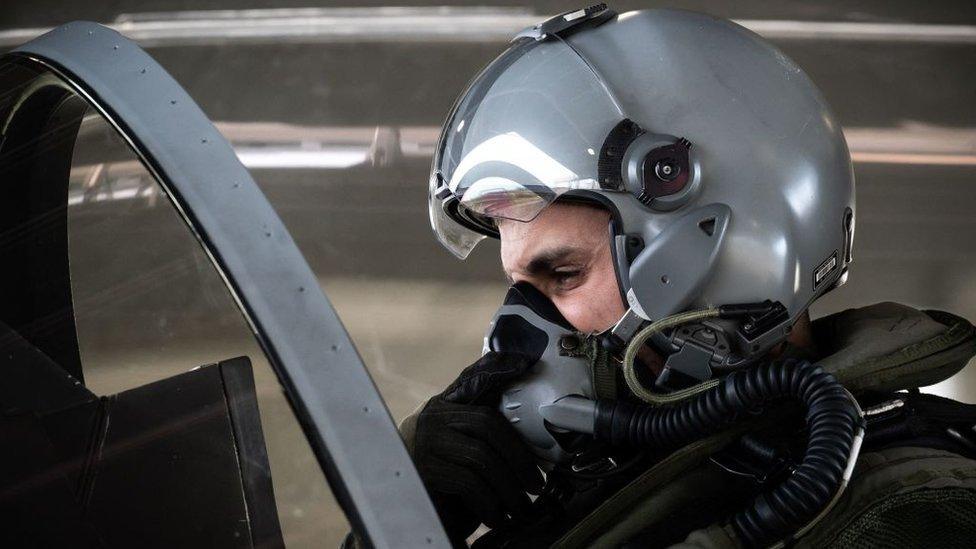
(573, 413)
(615, 339)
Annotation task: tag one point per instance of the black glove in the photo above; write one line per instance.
(475, 466)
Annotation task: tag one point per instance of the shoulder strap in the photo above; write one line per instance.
(920, 420)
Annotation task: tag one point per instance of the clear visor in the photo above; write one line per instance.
(528, 130)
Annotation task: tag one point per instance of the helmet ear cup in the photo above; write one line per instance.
(671, 271)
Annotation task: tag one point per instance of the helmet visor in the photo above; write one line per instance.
(457, 238)
(527, 130)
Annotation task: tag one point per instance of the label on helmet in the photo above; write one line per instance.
(824, 269)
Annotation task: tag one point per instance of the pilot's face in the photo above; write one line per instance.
(565, 253)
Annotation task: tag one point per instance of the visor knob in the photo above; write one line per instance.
(665, 171)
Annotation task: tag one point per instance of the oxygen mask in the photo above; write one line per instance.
(562, 404)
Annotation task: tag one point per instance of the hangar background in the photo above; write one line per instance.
(335, 110)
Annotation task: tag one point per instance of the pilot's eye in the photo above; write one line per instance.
(567, 278)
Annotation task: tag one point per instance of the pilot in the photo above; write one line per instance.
(666, 165)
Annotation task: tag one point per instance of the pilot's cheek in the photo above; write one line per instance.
(593, 307)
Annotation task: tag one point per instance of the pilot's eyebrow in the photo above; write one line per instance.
(544, 261)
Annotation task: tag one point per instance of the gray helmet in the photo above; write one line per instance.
(727, 176)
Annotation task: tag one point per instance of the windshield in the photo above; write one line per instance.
(133, 383)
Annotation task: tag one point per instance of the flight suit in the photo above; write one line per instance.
(914, 484)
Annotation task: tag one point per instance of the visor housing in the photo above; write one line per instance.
(528, 129)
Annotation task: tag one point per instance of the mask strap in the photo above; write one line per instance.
(603, 371)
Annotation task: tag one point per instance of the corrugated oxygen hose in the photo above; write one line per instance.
(833, 419)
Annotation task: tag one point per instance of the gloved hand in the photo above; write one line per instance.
(473, 463)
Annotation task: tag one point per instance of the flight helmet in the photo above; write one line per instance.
(727, 177)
